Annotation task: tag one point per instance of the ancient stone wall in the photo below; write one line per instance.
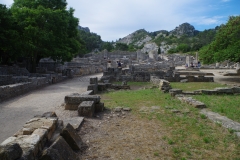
(12, 70)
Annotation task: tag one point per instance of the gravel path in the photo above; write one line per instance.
(15, 112)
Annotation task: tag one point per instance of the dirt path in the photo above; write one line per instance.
(15, 112)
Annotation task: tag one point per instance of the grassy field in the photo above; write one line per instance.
(189, 134)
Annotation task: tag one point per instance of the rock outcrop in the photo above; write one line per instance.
(184, 29)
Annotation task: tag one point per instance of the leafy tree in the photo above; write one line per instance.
(121, 46)
(226, 45)
(108, 46)
(92, 40)
(131, 48)
(8, 36)
(46, 29)
(183, 48)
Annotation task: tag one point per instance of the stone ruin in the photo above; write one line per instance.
(42, 137)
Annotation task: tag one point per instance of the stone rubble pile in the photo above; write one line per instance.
(43, 137)
(164, 86)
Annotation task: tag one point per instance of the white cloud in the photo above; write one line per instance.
(215, 20)
(114, 19)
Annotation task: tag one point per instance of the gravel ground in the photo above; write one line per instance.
(15, 112)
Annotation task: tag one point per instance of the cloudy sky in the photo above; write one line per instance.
(114, 19)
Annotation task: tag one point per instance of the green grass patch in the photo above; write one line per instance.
(192, 86)
(189, 135)
(226, 105)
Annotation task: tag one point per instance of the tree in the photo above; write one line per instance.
(108, 46)
(46, 29)
(8, 36)
(226, 45)
(121, 46)
(159, 50)
(183, 48)
(92, 40)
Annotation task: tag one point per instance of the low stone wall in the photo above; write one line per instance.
(216, 91)
(29, 84)
(87, 69)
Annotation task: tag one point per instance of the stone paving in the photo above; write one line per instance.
(15, 112)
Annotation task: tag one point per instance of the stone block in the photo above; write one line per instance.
(190, 78)
(42, 123)
(64, 150)
(89, 92)
(93, 87)
(198, 104)
(94, 80)
(71, 137)
(209, 92)
(236, 89)
(74, 121)
(224, 90)
(10, 151)
(51, 154)
(43, 135)
(174, 92)
(30, 145)
(86, 108)
(49, 114)
(72, 101)
(101, 87)
(99, 107)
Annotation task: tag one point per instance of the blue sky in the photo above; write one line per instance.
(114, 19)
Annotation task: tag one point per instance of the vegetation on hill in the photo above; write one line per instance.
(226, 45)
(92, 40)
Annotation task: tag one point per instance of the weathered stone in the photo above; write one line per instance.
(71, 137)
(191, 101)
(101, 87)
(43, 135)
(51, 154)
(99, 107)
(49, 114)
(86, 108)
(74, 121)
(173, 92)
(49, 124)
(118, 109)
(27, 131)
(209, 92)
(226, 122)
(224, 90)
(175, 111)
(89, 92)
(29, 144)
(72, 101)
(184, 80)
(198, 104)
(10, 151)
(63, 149)
(127, 109)
(93, 87)
(94, 80)
(236, 89)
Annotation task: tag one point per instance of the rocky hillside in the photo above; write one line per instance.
(183, 38)
(184, 29)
